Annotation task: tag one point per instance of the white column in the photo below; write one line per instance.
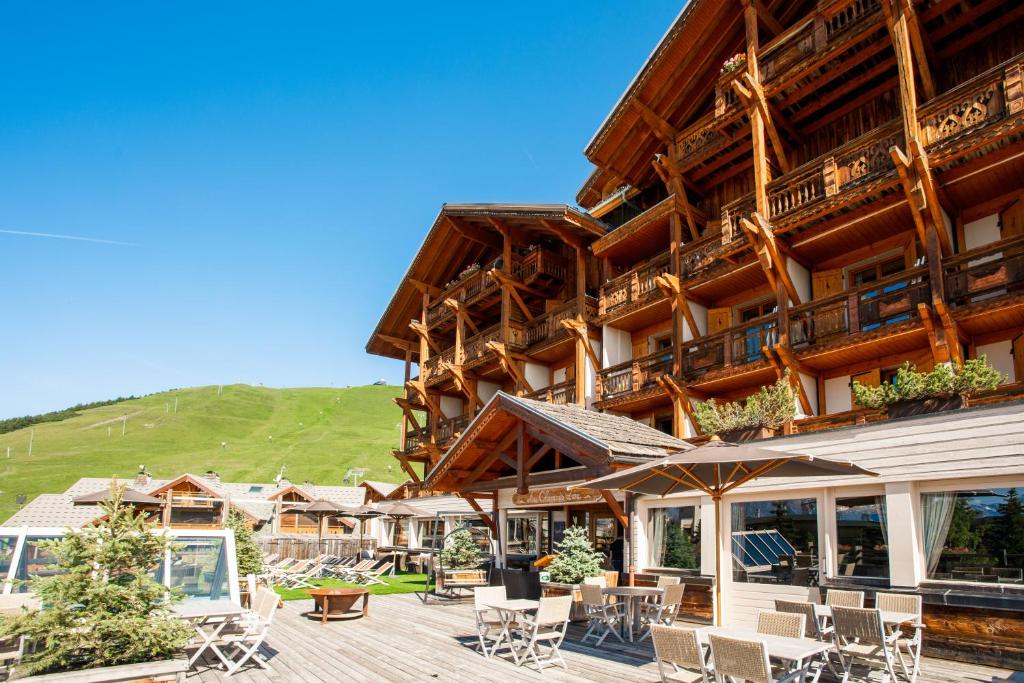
(828, 532)
(707, 536)
(906, 565)
(502, 533)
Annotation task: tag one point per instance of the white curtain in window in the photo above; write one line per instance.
(937, 509)
(657, 537)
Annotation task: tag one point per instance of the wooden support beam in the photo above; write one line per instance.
(768, 239)
(954, 335)
(940, 353)
(933, 204)
(464, 385)
(473, 233)
(407, 411)
(668, 170)
(672, 288)
(503, 278)
(899, 33)
(484, 517)
(403, 344)
(420, 388)
(580, 330)
(535, 458)
(783, 359)
(767, 18)
(460, 311)
(659, 126)
(616, 508)
(521, 487)
(421, 329)
(490, 456)
(681, 395)
(567, 236)
(915, 197)
(921, 48)
(752, 95)
(508, 365)
(425, 288)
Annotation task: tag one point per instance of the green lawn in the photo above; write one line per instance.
(400, 583)
(317, 433)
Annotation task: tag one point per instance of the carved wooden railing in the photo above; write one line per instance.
(415, 438)
(702, 354)
(744, 207)
(890, 300)
(862, 159)
(636, 374)
(448, 428)
(475, 347)
(699, 140)
(985, 273)
(748, 340)
(983, 100)
(636, 286)
(695, 256)
(548, 327)
(431, 370)
(542, 262)
(562, 393)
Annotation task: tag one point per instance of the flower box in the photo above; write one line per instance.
(923, 406)
(163, 670)
(748, 434)
(456, 578)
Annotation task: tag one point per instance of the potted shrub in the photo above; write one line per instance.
(760, 416)
(576, 560)
(103, 612)
(916, 393)
(460, 560)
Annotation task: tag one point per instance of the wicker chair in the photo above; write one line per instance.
(834, 598)
(604, 618)
(911, 604)
(812, 626)
(860, 635)
(744, 660)
(663, 612)
(548, 625)
(680, 647)
(488, 624)
(666, 581)
(784, 624)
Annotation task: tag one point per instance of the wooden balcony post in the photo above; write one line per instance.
(831, 179)
(853, 312)
(727, 349)
(820, 33)
(1013, 87)
(636, 376)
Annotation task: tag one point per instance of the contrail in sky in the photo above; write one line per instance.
(74, 238)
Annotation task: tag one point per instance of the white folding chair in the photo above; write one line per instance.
(604, 617)
(860, 636)
(488, 621)
(736, 659)
(548, 625)
(910, 604)
(664, 611)
(254, 629)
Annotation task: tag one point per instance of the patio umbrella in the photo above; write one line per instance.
(716, 468)
(321, 509)
(363, 512)
(400, 510)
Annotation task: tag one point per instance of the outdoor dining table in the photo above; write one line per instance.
(632, 595)
(509, 611)
(215, 613)
(797, 653)
(888, 618)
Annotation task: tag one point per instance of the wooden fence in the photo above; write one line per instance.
(303, 548)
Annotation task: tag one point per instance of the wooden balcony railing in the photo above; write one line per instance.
(732, 212)
(548, 327)
(415, 438)
(696, 256)
(745, 343)
(475, 347)
(869, 307)
(988, 272)
(635, 287)
(447, 429)
(541, 263)
(431, 370)
(634, 375)
(562, 393)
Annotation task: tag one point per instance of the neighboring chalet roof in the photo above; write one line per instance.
(676, 83)
(54, 510)
(462, 234)
(431, 505)
(581, 435)
(382, 488)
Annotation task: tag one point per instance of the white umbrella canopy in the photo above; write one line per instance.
(716, 468)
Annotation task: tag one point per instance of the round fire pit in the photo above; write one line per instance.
(337, 603)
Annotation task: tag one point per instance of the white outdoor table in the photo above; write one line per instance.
(200, 613)
(796, 652)
(888, 618)
(632, 595)
(508, 611)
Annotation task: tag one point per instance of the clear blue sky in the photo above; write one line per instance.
(267, 171)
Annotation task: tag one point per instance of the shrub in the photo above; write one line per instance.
(103, 607)
(576, 559)
(250, 557)
(461, 550)
(772, 406)
(943, 380)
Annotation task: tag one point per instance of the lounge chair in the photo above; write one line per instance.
(548, 625)
(304, 577)
(488, 623)
(372, 576)
(349, 573)
(604, 618)
(745, 660)
(680, 647)
(860, 636)
(911, 604)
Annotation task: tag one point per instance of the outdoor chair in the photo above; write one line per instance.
(663, 612)
(349, 574)
(252, 631)
(680, 647)
(834, 598)
(812, 626)
(604, 618)
(280, 574)
(860, 636)
(372, 575)
(304, 577)
(548, 625)
(736, 659)
(911, 604)
(488, 622)
(784, 624)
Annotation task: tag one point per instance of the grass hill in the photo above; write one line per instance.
(317, 433)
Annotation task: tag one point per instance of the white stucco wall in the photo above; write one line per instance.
(810, 387)
(837, 395)
(1000, 356)
(451, 406)
(485, 390)
(537, 375)
(616, 346)
(590, 374)
(700, 316)
(981, 232)
(801, 278)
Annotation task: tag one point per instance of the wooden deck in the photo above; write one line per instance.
(404, 640)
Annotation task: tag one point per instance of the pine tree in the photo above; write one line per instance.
(103, 607)
(961, 533)
(1009, 527)
(678, 549)
(250, 558)
(461, 550)
(576, 559)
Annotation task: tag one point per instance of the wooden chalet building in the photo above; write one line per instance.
(828, 187)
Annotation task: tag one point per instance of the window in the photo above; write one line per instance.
(35, 561)
(674, 534)
(663, 423)
(200, 569)
(775, 541)
(521, 535)
(760, 333)
(876, 271)
(430, 533)
(255, 489)
(862, 546)
(974, 535)
(7, 545)
(757, 311)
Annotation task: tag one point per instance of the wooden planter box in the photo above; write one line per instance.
(456, 578)
(923, 406)
(748, 434)
(163, 670)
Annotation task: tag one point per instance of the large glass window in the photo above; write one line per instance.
(521, 535)
(862, 549)
(974, 535)
(430, 532)
(674, 534)
(775, 541)
(200, 569)
(35, 561)
(7, 545)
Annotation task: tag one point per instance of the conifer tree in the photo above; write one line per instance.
(678, 548)
(576, 559)
(250, 558)
(461, 550)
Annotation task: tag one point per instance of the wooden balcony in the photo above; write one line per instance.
(635, 375)
(985, 274)
(869, 308)
(450, 428)
(415, 439)
(547, 328)
(562, 393)
(634, 289)
(432, 370)
(730, 348)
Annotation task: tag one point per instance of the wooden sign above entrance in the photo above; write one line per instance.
(556, 496)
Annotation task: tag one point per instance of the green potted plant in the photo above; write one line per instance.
(576, 559)
(760, 416)
(461, 559)
(102, 612)
(945, 387)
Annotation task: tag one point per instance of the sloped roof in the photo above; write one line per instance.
(381, 487)
(431, 505)
(56, 510)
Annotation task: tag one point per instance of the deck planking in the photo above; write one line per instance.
(405, 640)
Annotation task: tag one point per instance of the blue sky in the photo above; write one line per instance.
(263, 173)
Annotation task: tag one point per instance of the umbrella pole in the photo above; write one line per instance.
(719, 532)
